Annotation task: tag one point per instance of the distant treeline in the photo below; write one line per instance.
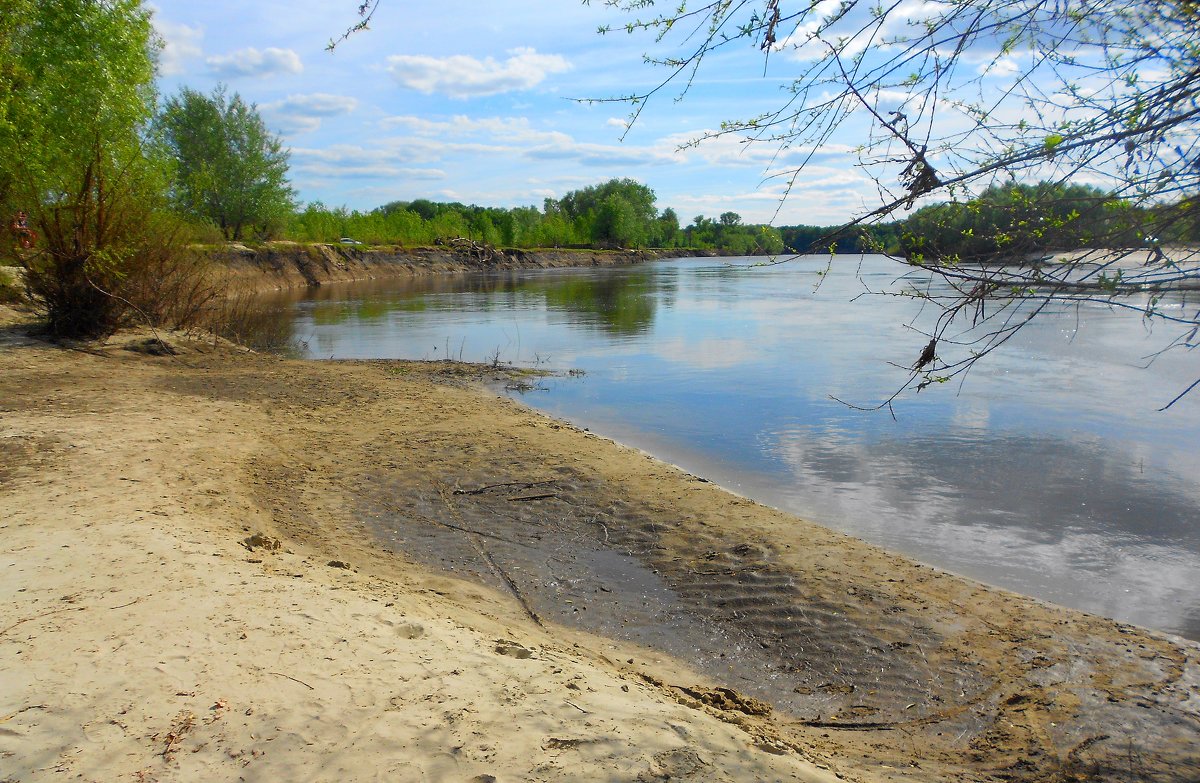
(620, 213)
(1009, 220)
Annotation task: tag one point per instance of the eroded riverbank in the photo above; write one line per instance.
(579, 604)
(282, 265)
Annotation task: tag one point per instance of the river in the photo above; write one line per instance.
(1049, 471)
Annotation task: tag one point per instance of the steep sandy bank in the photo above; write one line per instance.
(278, 265)
(142, 639)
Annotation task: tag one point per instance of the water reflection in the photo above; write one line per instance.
(265, 324)
(1074, 519)
(1049, 472)
(620, 304)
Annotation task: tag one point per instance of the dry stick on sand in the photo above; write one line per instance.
(471, 531)
(539, 496)
(486, 487)
(43, 614)
(477, 542)
(293, 679)
(12, 715)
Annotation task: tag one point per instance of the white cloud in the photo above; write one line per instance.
(252, 62)
(318, 104)
(502, 129)
(1001, 66)
(334, 171)
(909, 19)
(461, 76)
(731, 149)
(812, 38)
(603, 154)
(823, 196)
(807, 41)
(351, 161)
(303, 113)
(180, 44)
(515, 136)
(349, 156)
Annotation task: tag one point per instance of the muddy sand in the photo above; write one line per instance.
(225, 566)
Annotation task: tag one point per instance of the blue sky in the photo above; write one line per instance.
(472, 101)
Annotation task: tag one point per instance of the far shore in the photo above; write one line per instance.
(224, 565)
(282, 265)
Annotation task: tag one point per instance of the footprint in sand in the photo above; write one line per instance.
(512, 649)
(405, 630)
(410, 630)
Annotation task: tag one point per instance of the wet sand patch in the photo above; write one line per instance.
(576, 555)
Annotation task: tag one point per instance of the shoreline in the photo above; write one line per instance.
(132, 483)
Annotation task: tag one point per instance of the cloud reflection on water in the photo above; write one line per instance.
(1049, 516)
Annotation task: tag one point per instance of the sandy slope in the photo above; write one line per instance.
(142, 638)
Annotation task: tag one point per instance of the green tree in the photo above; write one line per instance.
(76, 97)
(229, 169)
(618, 212)
(667, 229)
(423, 207)
(1014, 220)
(14, 79)
(729, 236)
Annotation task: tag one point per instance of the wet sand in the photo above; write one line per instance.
(449, 586)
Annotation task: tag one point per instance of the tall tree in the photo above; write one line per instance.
(229, 169)
(667, 228)
(75, 97)
(617, 212)
(13, 80)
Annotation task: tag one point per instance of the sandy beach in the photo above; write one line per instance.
(219, 565)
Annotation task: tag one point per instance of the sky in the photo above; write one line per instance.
(485, 103)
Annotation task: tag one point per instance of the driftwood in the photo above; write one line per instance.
(479, 251)
(477, 542)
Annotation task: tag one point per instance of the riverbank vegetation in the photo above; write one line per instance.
(78, 93)
(1010, 223)
(619, 213)
(228, 170)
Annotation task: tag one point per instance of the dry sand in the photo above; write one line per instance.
(446, 586)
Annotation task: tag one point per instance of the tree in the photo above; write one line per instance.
(76, 94)
(952, 97)
(423, 207)
(230, 169)
(1016, 220)
(667, 228)
(13, 79)
(618, 212)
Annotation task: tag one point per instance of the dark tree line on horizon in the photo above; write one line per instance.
(1006, 224)
(619, 213)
